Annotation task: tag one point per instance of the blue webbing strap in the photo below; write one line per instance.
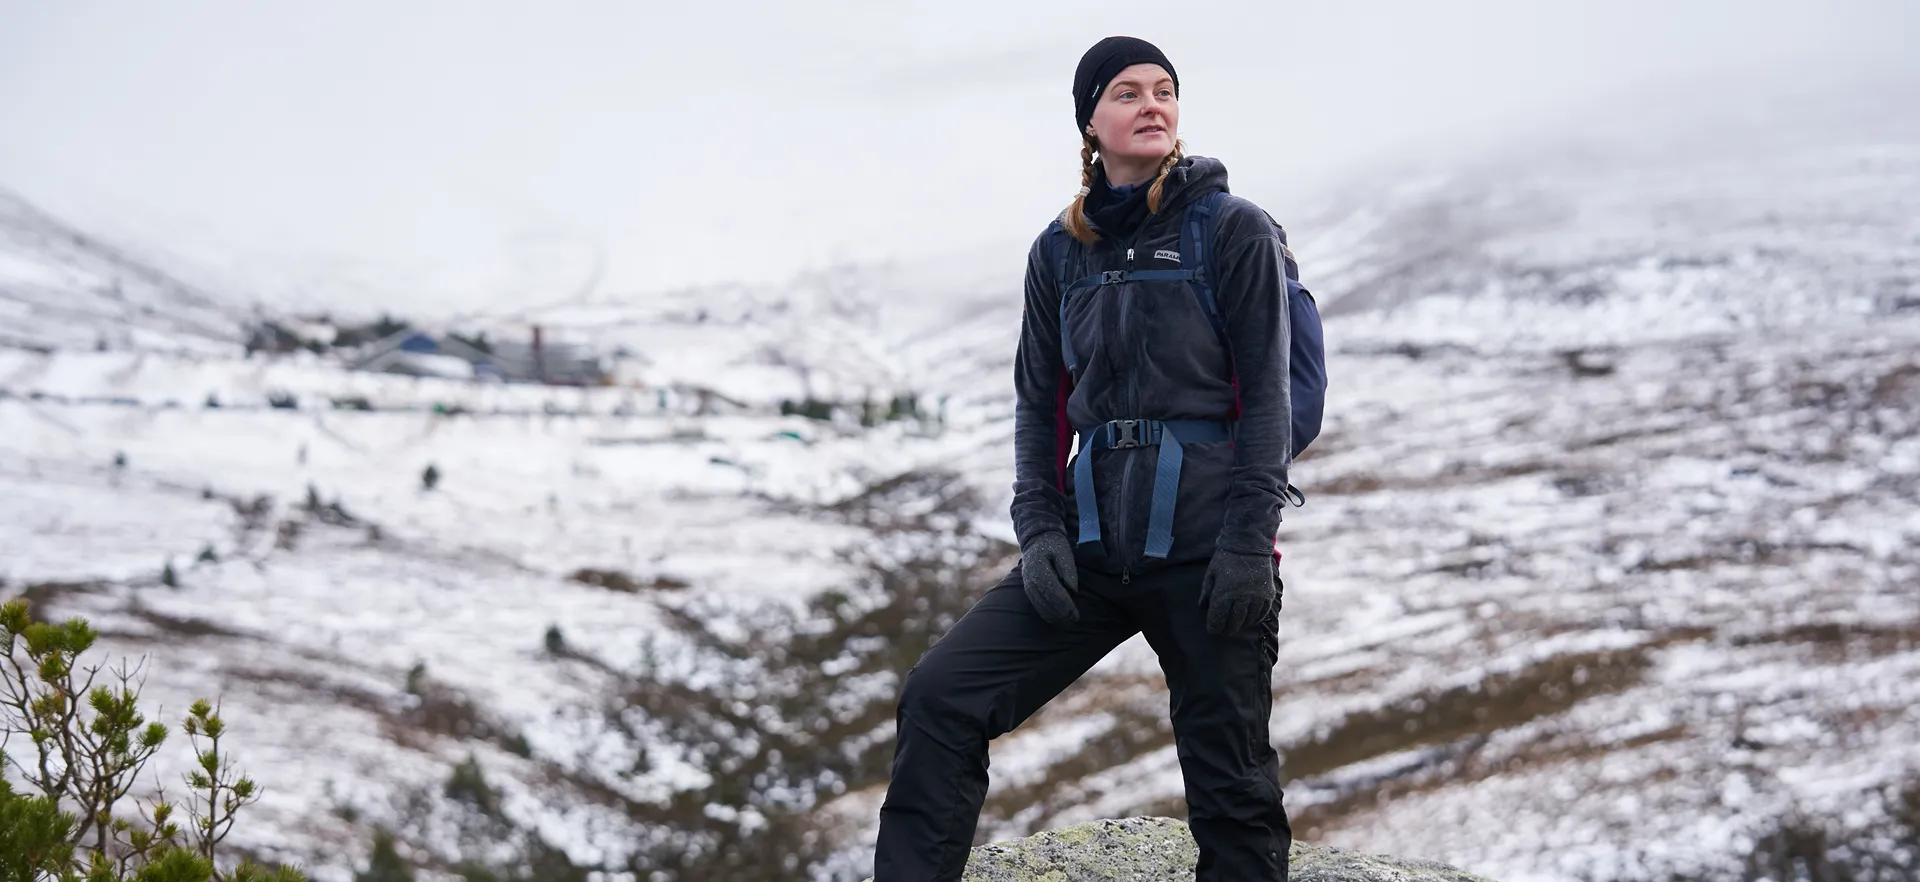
(1168, 434)
(1196, 236)
(1083, 488)
(1066, 342)
(1166, 477)
(1179, 275)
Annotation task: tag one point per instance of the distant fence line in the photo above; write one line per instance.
(865, 412)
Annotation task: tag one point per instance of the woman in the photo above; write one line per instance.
(1173, 371)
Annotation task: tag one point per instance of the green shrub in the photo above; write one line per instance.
(88, 747)
(468, 784)
(385, 865)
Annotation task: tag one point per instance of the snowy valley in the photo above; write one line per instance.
(1608, 569)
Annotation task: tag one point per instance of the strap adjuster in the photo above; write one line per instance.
(1125, 434)
(1113, 277)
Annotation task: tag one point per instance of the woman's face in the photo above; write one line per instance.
(1138, 118)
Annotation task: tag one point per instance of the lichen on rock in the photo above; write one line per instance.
(1161, 850)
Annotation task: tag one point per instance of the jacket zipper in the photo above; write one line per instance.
(1133, 412)
(1130, 347)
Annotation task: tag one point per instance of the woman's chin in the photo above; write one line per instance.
(1152, 146)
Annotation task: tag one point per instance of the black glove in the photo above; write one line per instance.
(1238, 589)
(1048, 573)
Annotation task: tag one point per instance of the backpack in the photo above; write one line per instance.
(1306, 366)
(1307, 361)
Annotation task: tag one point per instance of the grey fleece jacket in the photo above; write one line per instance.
(1145, 350)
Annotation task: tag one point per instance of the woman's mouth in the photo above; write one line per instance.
(1150, 130)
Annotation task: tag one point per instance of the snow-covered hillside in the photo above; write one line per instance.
(1608, 569)
(61, 288)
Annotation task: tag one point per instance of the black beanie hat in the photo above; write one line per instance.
(1105, 61)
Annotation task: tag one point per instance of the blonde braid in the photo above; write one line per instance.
(1076, 214)
(1075, 217)
(1160, 180)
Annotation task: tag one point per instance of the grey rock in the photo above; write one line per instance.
(1161, 850)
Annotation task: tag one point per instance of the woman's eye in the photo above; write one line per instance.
(1166, 93)
(1127, 96)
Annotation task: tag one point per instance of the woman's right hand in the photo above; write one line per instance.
(1048, 574)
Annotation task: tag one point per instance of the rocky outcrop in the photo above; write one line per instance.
(1160, 850)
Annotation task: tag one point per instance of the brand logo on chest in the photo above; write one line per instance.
(1164, 254)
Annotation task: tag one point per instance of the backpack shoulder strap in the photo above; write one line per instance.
(1067, 257)
(1196, 247)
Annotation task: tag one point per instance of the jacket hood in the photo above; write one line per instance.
(1190, 179)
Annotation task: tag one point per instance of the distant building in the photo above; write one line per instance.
(540, 358)
(276, 338)
(421, 353)
(417, 353)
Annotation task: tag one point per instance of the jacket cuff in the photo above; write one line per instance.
(1029, 529)
(1250, 534)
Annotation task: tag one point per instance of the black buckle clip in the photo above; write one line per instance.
(1113, 277)
(1126, 434)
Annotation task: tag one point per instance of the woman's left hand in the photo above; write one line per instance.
(1238, 589)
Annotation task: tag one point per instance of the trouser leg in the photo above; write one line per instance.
(1221, 698)
(997, 666)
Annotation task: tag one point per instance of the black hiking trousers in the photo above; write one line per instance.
(1001, 662)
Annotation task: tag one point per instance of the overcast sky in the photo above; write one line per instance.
(439, 151)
